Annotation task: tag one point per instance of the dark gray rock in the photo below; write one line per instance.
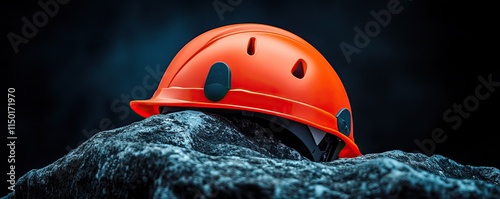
(194, 155)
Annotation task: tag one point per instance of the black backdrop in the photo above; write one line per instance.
(78, 71)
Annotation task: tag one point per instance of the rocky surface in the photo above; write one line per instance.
(195, 155)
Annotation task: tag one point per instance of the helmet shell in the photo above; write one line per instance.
(263, 61)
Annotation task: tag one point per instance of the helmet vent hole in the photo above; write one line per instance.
(299, 69)
(251, 46)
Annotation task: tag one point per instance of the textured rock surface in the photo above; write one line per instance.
(195, 155)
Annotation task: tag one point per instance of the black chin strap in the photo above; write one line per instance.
(313, 143)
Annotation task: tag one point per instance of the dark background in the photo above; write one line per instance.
(90, 54)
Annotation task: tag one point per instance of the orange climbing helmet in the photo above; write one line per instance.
(263, 72)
